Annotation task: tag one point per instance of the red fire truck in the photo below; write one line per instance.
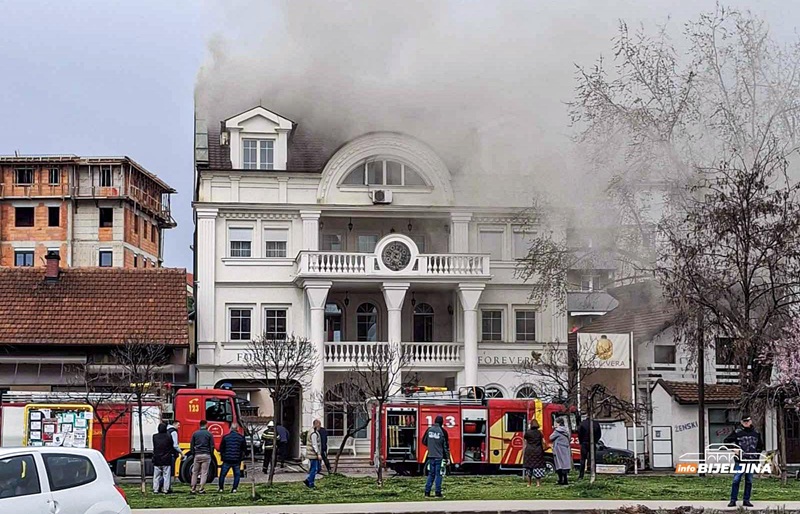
(122, 448)
(486, 434)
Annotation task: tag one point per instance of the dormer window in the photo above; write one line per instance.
(258, 154)
(381, 172)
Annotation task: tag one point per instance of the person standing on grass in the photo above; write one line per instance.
(435, 439)
(162, 460)
(268, 446)
(201, 447)
(752, 444)
(172, 430)
(533, 456)
(562, 453)
(314, 454)
(232, 449)
(323, 437)
(584, 438)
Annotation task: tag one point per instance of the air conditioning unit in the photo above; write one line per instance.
(381, 196)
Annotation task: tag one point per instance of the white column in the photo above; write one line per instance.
(394, 293)
(235, 188)
(316, 293)
(310, 229)
(470, 295)
(459, 232)
(206, 252)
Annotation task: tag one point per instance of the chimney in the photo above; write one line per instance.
(52, 270)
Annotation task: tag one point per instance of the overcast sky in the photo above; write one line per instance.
(102, 77)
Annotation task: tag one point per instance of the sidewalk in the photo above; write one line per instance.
(463, 507)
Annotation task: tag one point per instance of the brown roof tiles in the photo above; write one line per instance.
(88, 306)
(687, 392)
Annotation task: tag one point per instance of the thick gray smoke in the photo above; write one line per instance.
(484, 83)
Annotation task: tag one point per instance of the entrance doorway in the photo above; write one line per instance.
(792, 436)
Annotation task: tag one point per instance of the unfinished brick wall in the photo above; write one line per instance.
(42, 235)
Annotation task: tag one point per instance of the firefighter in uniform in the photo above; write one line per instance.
(267, 444)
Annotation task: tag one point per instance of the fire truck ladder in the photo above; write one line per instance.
(441, 396)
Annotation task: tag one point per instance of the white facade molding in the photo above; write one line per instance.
(387, 144)
(259, 215)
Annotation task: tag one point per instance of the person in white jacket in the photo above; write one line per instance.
(314, 454)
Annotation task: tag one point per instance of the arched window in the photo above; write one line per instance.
(367, 322)
(526, 391)
(344, 411)
(383, 172)
(334, 327)
(493, 392)
(423, 323)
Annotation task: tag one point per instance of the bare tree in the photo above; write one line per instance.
(141, 360)
(379, 376)
(350, 398)
(103, 390)
(561, 372)
(253, 425)
(282, 366)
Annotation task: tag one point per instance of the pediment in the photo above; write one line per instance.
(258, 119)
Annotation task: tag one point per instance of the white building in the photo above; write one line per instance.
(368, 244)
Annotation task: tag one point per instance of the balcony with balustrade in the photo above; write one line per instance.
(439, 356)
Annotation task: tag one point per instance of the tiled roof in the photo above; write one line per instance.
(687, 392)
(307, 152)
(92, 306)
(642, 310)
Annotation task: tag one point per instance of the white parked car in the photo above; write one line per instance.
(50, 480)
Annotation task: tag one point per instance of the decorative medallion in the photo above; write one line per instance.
(396, 255)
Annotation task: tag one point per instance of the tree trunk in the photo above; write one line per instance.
(378, 457)
(781, 415)
(274, 458)
(592, 442)
(141, 446)
(701, 389)
(253, 464)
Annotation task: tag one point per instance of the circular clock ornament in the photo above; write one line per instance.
(396, 255)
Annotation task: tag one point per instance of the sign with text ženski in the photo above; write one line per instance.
(604, 350)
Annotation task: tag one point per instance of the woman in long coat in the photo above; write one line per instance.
(562, 453)
(533, 457)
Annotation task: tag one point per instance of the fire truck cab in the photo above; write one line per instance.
(485, 435)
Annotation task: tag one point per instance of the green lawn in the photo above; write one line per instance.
(341, 489)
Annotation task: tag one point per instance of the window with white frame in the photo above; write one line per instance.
(526, 391)
(367, 243)
(491, 241)
(241, 241)
(240, 323)
(590, 283)
(274, 323)
(55, 176)
(383, 172)
(521, 241)
(493, 392)
(526, 325)
(332, 243)
(258, 154)
(367, 322)
(23, 176)
(492, 325)
(276, 241)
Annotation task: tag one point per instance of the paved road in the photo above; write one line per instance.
(463, 507)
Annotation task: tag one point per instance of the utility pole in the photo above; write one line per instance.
(701, 387)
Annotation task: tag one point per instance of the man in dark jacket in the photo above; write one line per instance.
(435, 439)
(283, 443)
(162, 459)
(323, 436)
(584, 438)
(232, 450)
(752, 444)
(201, 448)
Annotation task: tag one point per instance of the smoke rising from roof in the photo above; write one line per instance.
(483, 83)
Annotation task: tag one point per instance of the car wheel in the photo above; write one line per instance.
(549, 466)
